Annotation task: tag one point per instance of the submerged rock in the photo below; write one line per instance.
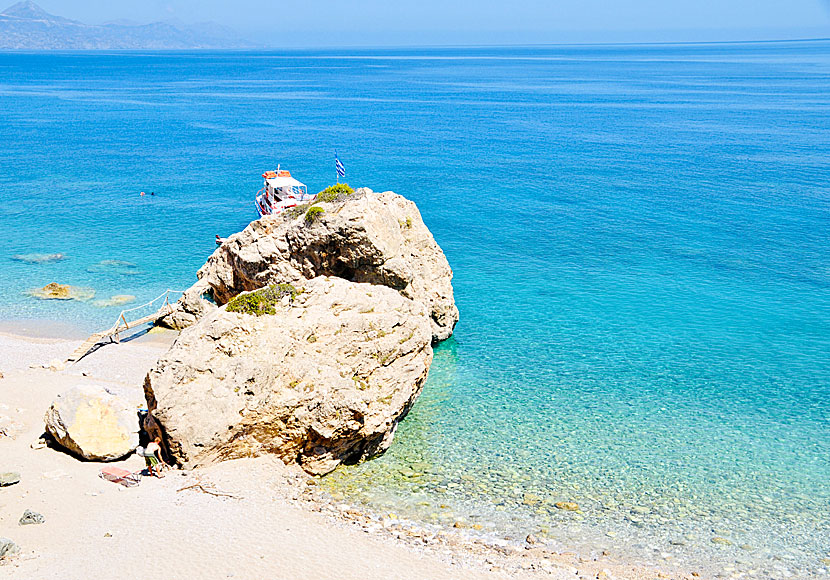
(377, 238)
(119, 267)
(324, 379)
(39, 258)
(116, 300)
(94, 422)
(55, 291)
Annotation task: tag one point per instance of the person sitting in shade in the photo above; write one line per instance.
(152, 455)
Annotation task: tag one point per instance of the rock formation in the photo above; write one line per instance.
(94, 422)
(55, 291)
(327, 376)
(378, 238)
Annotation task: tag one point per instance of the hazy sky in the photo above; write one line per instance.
(484, 21)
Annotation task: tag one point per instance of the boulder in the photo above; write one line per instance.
(377, 238)
(55, 291)
(7, 548)
(95, 422)
(324, 379)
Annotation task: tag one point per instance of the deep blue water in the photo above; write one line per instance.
(640, 237)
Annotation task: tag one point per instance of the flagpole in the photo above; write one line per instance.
(335, 166)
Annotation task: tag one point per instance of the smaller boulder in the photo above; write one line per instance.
(9, 478)
(30, 517)
(7, 548)
(95, 422)
(55, 291)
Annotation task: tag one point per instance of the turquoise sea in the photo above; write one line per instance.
(641, 243)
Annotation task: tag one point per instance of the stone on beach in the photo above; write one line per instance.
(9, 478)
(569, 506)
(7, 548)
(30, 517)
(55, 291)
(95, 422)
(378, 238)
(324, 379)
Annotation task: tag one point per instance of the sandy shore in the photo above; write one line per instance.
(252, 518)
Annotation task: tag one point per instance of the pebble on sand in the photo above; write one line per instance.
(570, 506)
(7, 548)
(30, 517)
(721, 541)
(9, 478)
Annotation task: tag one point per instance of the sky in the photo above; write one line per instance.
(373, 22)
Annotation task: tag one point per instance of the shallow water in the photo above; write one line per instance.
(639, 237)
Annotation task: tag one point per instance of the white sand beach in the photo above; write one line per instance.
(250, 518)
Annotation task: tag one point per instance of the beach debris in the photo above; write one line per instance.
(30, 517)
(570, 506)
(209, 489)
(120, 476)
(357, 238)
(96, 422)
(1, 375)
(531, 539)
(9, 478)
(119, 267)
(270, 390)
(7, 548)
(116, 300)
(39, 258)
(41, 443)
(55, 291)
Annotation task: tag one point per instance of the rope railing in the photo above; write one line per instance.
(165, 296)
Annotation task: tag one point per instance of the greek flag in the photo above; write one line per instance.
(341, 170)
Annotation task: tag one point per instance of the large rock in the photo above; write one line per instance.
(371, 237)
(324, 379)
(95, 422)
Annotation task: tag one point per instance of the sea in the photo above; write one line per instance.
(640, 239)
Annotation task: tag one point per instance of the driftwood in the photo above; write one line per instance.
(208, 489)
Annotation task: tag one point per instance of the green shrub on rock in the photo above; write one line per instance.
(313, 213)
(262, 301)
(334, 192)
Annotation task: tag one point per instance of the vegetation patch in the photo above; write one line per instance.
(296, 211)
(262, 301)
(313, 213)
(334, 192)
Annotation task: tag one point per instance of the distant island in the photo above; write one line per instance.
(27, 26)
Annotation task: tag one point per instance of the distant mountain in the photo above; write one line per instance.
(27, 26)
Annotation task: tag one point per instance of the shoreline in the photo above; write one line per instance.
(77, 504)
